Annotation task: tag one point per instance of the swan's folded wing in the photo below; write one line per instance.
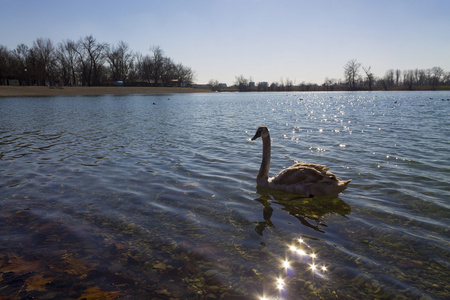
(300, 173)
(320, 168)
(324, 170)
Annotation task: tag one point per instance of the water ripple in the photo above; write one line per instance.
(172, 187)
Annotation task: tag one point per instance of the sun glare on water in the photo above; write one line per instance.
(300, 254)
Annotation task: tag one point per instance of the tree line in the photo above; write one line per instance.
(88, 62)
(356, 77)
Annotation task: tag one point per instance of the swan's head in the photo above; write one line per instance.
(261, 132)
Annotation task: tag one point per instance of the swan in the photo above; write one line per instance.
(301, 178)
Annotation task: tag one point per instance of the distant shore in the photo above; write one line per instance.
(41, 91)
(36, 91)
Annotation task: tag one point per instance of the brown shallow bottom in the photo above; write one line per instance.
(24, 91)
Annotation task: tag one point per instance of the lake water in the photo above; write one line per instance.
(154, 197)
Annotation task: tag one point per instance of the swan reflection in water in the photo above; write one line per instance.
(310, 211)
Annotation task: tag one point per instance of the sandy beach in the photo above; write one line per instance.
(31, 91)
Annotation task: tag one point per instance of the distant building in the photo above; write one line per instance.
(222, 85)
(251, 84)
(263, 84)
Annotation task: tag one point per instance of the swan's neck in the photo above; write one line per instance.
(263, 174)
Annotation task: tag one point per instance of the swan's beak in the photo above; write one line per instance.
(257, 135)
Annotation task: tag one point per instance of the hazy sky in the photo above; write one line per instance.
(265, 40)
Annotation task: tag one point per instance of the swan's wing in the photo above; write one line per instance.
(320, 168)
(303, 173)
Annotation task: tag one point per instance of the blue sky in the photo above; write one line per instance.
(262, 39)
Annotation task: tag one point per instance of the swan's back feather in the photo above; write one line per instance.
(304, 173)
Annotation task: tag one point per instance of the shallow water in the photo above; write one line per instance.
(155, 197)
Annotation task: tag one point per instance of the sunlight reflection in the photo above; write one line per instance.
(301, 254)
(269, 298)
(298, 251)
(280, 283)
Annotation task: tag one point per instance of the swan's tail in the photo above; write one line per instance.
(342, 185)
(346, 182)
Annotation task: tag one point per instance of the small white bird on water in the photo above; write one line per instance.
(301, 178)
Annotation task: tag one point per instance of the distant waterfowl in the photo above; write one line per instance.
(301, 178)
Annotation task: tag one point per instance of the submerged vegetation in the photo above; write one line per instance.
(89, 256)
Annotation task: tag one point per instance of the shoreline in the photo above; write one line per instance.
(45, 91)
(41, 91)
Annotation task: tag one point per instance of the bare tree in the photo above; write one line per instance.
(68, 62)
(289, 84)
(185, 75)
(369, 76)
(168, 72)
(91, 57)
(421, 77)
(242, 83)
(44, 51)
(159, 69)
(408, 78)
(120, 59)
(446, 78)
(351, 73)
(281, 84)
(5, 61)
(329, 83)
(428, 76)
(398, 73)
(20, 63)
(436, 75)
(146, 69)
(157, 63)
(214, 85)
(389, 77)
(138, 65)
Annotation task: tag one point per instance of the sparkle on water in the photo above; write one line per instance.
(114, 197)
